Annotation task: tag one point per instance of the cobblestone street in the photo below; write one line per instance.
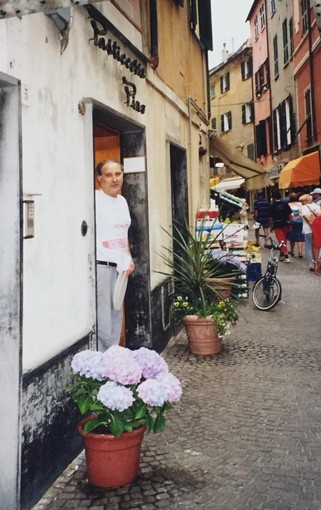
(246, 434)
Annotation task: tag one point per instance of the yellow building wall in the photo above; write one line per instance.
(182, 63)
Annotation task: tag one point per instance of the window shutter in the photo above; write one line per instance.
(250, 68)
(243, 114)
(252, 111)
(283, 125)
(229, 119)
(221, 83)
(243, 70)
(205, 21)
(222, 123)
(193, 14)
(275, 132)
(227, 81)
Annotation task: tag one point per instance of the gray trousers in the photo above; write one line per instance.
(308, 243)
(109, 320)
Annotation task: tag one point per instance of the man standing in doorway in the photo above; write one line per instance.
(112, 250)
(316, 196)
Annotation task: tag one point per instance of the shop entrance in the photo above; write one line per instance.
(118, 138)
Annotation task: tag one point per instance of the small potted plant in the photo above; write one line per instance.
(121, 393)
(205, 327)
(200, 279)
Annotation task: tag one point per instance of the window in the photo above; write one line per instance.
(226, 122)
(285, 41)
(273, 8)
(246, 69)
(256, 28)
(213, 123)
(225, 83)
(247, 113)
(201, 21)
(276, 56)
(283, 125)
(304, 15)
(261, 142)
(291, 37)
(262, 79)
(212, 91)
(308, 113)
(262, 16)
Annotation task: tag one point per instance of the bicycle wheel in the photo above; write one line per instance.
(266, 293)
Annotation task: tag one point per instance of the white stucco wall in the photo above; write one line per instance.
(58, 277)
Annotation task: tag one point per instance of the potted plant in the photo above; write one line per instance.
(205, 328)
(121, 393)
(200, 277)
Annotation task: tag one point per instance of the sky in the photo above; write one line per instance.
(229, 26)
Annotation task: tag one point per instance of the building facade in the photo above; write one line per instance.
(78, 85)
(232, 100)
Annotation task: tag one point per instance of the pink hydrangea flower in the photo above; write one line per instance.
(121, 366)
(89, 364)
(115, 397)
(151, 363)
(152, 393)
(171, 386)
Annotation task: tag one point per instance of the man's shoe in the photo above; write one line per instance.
(286, 258)
(282, 257)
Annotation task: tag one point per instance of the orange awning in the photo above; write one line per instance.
(304, 171)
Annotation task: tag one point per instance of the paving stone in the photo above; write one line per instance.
(246, 435)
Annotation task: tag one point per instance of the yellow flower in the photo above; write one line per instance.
(185, 304)
(179, 298)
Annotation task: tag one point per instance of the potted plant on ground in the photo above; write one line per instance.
(121, 393)
(198, 280)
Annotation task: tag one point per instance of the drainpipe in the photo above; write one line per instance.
(311, 64)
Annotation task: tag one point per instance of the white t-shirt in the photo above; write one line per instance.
(308, 209)
(112, 224)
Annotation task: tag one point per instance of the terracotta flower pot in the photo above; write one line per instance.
(201, 334)
(111, 461)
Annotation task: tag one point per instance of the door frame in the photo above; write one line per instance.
(11, 277)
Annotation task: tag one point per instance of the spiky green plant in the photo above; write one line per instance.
(192, 266)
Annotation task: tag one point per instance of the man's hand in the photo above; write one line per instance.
(130, 269)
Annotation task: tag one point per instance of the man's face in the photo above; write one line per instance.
(111, 180)
(316, 196)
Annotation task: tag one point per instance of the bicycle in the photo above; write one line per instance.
(267, 290)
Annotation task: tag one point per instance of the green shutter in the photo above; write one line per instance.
(205, 24)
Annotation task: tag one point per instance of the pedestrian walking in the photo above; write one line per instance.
(261, 215)
(295, 234)
(309, 211)
(316, 196)
(113, 253)
(280, 213)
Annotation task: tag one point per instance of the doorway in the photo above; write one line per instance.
(116, 137)
(179, 189)
(107, 146)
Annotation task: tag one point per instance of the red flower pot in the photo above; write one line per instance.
(111, 461)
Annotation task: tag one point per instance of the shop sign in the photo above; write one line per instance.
(112, 48)
(275, 171)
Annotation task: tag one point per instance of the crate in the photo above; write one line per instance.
(254, 271)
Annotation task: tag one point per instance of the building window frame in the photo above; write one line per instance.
(262, 16)
(226, 122)
(285, 41)
(276, 56)
(256, 28)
